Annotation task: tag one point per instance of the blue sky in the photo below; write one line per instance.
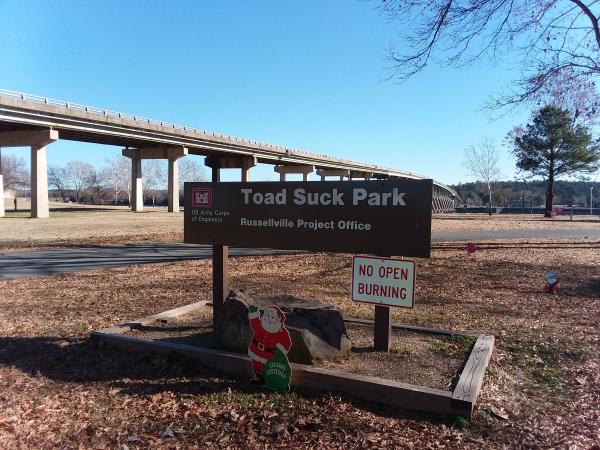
(309, 75)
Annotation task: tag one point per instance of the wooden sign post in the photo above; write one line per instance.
(383, 328)
(220, 253)
(385, 282)
(220, 259)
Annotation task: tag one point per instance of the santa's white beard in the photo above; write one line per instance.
(270, 327)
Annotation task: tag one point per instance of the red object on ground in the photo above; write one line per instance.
(471, 248)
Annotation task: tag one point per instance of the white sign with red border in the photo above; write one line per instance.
(383, 281)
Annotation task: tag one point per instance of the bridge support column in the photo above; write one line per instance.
(1, 187)
(39, 183)
(333, 173)
(232, 162)
(37, 140)
(173, 189)
(1, 193)
(137, 187)
(284, 170)
(354, 174)
(172, 154)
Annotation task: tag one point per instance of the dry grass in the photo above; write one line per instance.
(88, 226)
(542, 388)
(73, 226)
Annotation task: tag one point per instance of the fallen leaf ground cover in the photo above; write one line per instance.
(541, 390)
(418, 358)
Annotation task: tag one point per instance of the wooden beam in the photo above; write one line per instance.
(229, 363)
(230, 162)
(378, 390)
(29, 138)
(470, 381)
(366, 388)
(164, 317)
(155, 152)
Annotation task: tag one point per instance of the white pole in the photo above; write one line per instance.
(591, 200)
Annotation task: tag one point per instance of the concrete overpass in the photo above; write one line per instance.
(35, 122)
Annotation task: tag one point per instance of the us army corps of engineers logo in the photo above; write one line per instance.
(202, 198)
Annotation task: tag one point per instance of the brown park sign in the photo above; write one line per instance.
(390, 217)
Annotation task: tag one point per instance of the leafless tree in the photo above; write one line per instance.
(154, 172)
(547, 38)
(95, 185)
(14, 172)
(116, 176)
(78, 173)
(575, 95)
(58, 178)
(190, 170)
(482, 164)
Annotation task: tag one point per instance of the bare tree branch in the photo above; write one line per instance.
(545, 37)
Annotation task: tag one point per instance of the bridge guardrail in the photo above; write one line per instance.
(135, 118)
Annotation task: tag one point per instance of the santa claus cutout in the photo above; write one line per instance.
(269, 348)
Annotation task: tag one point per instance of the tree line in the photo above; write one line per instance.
(79, 181)
(527, 193)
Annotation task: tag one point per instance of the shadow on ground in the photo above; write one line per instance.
(81, 361)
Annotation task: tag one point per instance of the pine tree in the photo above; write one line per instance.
(552, 146)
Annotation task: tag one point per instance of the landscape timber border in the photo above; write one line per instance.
(459, 402)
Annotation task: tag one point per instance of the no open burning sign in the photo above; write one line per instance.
(383, 281)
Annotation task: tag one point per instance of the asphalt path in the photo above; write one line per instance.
(50, 262)
(15, 265)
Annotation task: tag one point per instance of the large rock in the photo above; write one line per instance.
(317, 329)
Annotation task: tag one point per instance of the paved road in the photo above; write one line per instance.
(50, 262)
(514, 234)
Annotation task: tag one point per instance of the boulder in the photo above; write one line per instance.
(317, 329)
